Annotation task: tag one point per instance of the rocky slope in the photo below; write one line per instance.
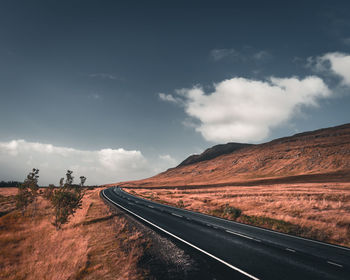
(213, 152)
(314, 155)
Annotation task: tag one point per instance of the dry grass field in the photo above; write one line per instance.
(95, 244)
(314, 210)
(298, 185)
(7, 200)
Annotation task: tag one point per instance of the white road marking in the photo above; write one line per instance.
(263, 229)
(333, 263)
(290, 250)
(184, 241)
(150, 206)
(174, 214)
(242, 235)
(269, 230)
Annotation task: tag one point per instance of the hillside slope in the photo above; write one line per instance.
(323, 152)
(213, 152)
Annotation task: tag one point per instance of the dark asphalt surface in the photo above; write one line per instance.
(249, 252)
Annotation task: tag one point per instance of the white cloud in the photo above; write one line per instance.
(168, 158)
(104, 76)
(167, 97)
(218, 54)
(17, 157)
(338, 63)
(245, 110)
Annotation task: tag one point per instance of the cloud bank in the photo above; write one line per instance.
(103, 166)
(245, 110)
(337, 63)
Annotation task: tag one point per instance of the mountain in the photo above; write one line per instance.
(322, 154)
(214, 152)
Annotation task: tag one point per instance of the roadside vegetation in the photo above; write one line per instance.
(65, 232)
(311, 210)
(65, 199)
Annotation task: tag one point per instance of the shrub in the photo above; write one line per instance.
(226, 211)
(66, 200)
(82, 180)
(180, 204)
(48, 192)
(286, 227)
(23, 198)
(28, 191)
(232, 211)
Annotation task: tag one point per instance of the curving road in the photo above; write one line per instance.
(249, 252)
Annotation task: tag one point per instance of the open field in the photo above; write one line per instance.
(7, 200)
(314, 210)
(298, 184)
(95, 244)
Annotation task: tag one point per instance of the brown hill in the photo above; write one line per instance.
(310, 156)
(213, 152)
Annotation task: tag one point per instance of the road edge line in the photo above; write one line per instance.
(184, 241)
(247, 225)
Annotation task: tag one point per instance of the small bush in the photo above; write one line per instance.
(23, 198)
(226, 211)
(180, 204)
(65, 202)
(66, 199)
(285, 227)
(232, 211)
(48, 192)
(28, 191)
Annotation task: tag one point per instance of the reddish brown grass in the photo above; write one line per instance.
(94, 245)
(319, 211)
(298, 184)
(8, 191)
(7, 200)
(318, 156)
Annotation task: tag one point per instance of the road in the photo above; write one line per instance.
(249, 252)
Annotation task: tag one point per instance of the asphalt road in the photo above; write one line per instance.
(249, 252)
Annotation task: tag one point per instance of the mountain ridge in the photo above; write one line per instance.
(322, 151)
(213, 152)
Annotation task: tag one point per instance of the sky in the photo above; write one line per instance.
(122, 90)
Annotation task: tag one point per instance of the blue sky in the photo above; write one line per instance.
(119, 90)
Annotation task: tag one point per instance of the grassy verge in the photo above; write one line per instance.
(316, 211)
(95, 244)
(235, 214)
